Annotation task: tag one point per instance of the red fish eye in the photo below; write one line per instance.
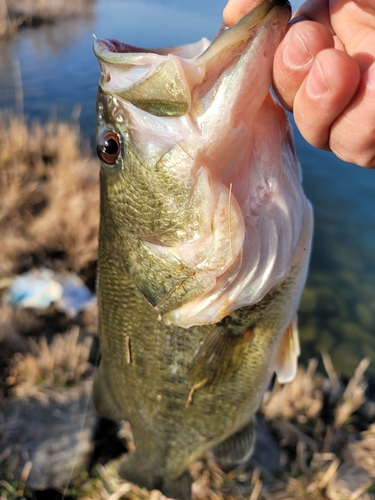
(108, 147)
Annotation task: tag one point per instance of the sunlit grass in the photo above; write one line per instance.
(49, 195)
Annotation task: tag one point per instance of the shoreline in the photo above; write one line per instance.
(321, 430)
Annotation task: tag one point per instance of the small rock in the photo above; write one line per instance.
(50, 432)
(350, 479)
(267, 451)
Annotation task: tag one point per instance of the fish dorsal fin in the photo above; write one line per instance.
(287, 357)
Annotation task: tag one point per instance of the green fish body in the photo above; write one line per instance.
(205, 235)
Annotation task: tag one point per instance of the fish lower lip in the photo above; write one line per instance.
(118, 47)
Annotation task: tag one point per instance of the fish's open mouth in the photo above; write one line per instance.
(126, 69)
(104, 47)
(204, 113)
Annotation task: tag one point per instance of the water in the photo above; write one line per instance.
(51, 72)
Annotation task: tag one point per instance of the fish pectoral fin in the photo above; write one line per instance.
(219, 357)
(287, 357)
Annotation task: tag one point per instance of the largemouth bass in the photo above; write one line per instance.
(205, 236)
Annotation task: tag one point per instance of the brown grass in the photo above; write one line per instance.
(49, 196)
(65, 361)
(16, 13)
(315, 452)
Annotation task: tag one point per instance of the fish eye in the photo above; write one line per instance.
(108, 147)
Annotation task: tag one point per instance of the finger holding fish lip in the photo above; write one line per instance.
(333, 105)
(330, 91)
(323, 95)
(350, 98)
(295, 56)
(353, 133)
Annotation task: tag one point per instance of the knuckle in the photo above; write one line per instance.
(369, 162)
(363, 157)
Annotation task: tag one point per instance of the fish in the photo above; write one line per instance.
(204, 243)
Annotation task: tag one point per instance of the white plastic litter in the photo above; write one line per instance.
(76, 297)
(40, 288)
(36, 288)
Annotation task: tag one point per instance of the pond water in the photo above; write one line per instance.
(50, 72)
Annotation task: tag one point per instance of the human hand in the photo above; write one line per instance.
(324, 71)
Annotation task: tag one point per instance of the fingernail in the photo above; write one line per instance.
(296, 53)
(316, 84)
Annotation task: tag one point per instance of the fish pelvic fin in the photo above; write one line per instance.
(219, 357)
(238, 447)
(287, 357)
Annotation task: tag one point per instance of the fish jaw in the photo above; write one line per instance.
(222, 204)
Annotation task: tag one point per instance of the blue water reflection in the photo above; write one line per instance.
(56, 74)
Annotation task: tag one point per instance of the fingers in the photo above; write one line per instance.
(295, 56)
(333, 106)
(324, 94)
(331, 92)
(351, 22)
(353, 132)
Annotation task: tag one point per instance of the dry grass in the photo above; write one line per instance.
(49, 216)
(7, 26)
(49, 196)
(315, 455)
(16, 13)
(314, 419)
(64, 362)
